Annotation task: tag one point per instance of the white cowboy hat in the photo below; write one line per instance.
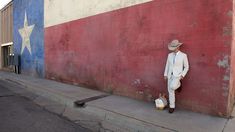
(174, 44)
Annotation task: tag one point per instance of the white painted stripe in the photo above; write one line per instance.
(61, 11)
(7, 44)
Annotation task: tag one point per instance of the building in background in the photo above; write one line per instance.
(6, 39)
(120, 46)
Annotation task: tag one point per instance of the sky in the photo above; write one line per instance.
(3, 3)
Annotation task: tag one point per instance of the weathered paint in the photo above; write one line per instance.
(65, 11)
(224, 63)
(231, 99)
(25, 33)
(124, 51)
(29, 35)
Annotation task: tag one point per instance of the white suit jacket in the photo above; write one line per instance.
(179, 68)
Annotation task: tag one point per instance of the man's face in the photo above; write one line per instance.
(177, 49)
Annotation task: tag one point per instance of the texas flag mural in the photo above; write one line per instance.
(28, 32)
(79, 39)
(120, 46)
(31, 17)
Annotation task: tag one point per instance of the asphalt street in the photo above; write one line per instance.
(20, 114)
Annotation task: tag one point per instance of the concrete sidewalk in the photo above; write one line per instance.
(109, 112)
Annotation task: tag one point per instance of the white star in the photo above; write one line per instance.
(25, 33)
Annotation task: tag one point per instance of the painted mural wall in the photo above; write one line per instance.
(28, 17)
(121, 47)
(232, 73)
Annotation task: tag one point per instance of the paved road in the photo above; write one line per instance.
(19, 114)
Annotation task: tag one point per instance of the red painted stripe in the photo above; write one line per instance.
(125, 51)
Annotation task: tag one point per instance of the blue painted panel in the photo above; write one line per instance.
(31, 63)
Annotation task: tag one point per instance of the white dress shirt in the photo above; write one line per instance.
(176, 65)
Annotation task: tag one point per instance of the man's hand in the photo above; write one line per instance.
(181, 77)
(165, 77)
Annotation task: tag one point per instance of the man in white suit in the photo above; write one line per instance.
(176, 68)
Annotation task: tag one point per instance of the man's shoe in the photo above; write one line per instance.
(171, 110)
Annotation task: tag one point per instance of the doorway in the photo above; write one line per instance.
(7, 51)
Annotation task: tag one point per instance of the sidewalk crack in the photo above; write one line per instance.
(10, 95)
(135, 118)
(62, 113)
(225, 124)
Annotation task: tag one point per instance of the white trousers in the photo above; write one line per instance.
(173, 84)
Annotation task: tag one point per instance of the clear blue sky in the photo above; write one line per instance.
(3, 3)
